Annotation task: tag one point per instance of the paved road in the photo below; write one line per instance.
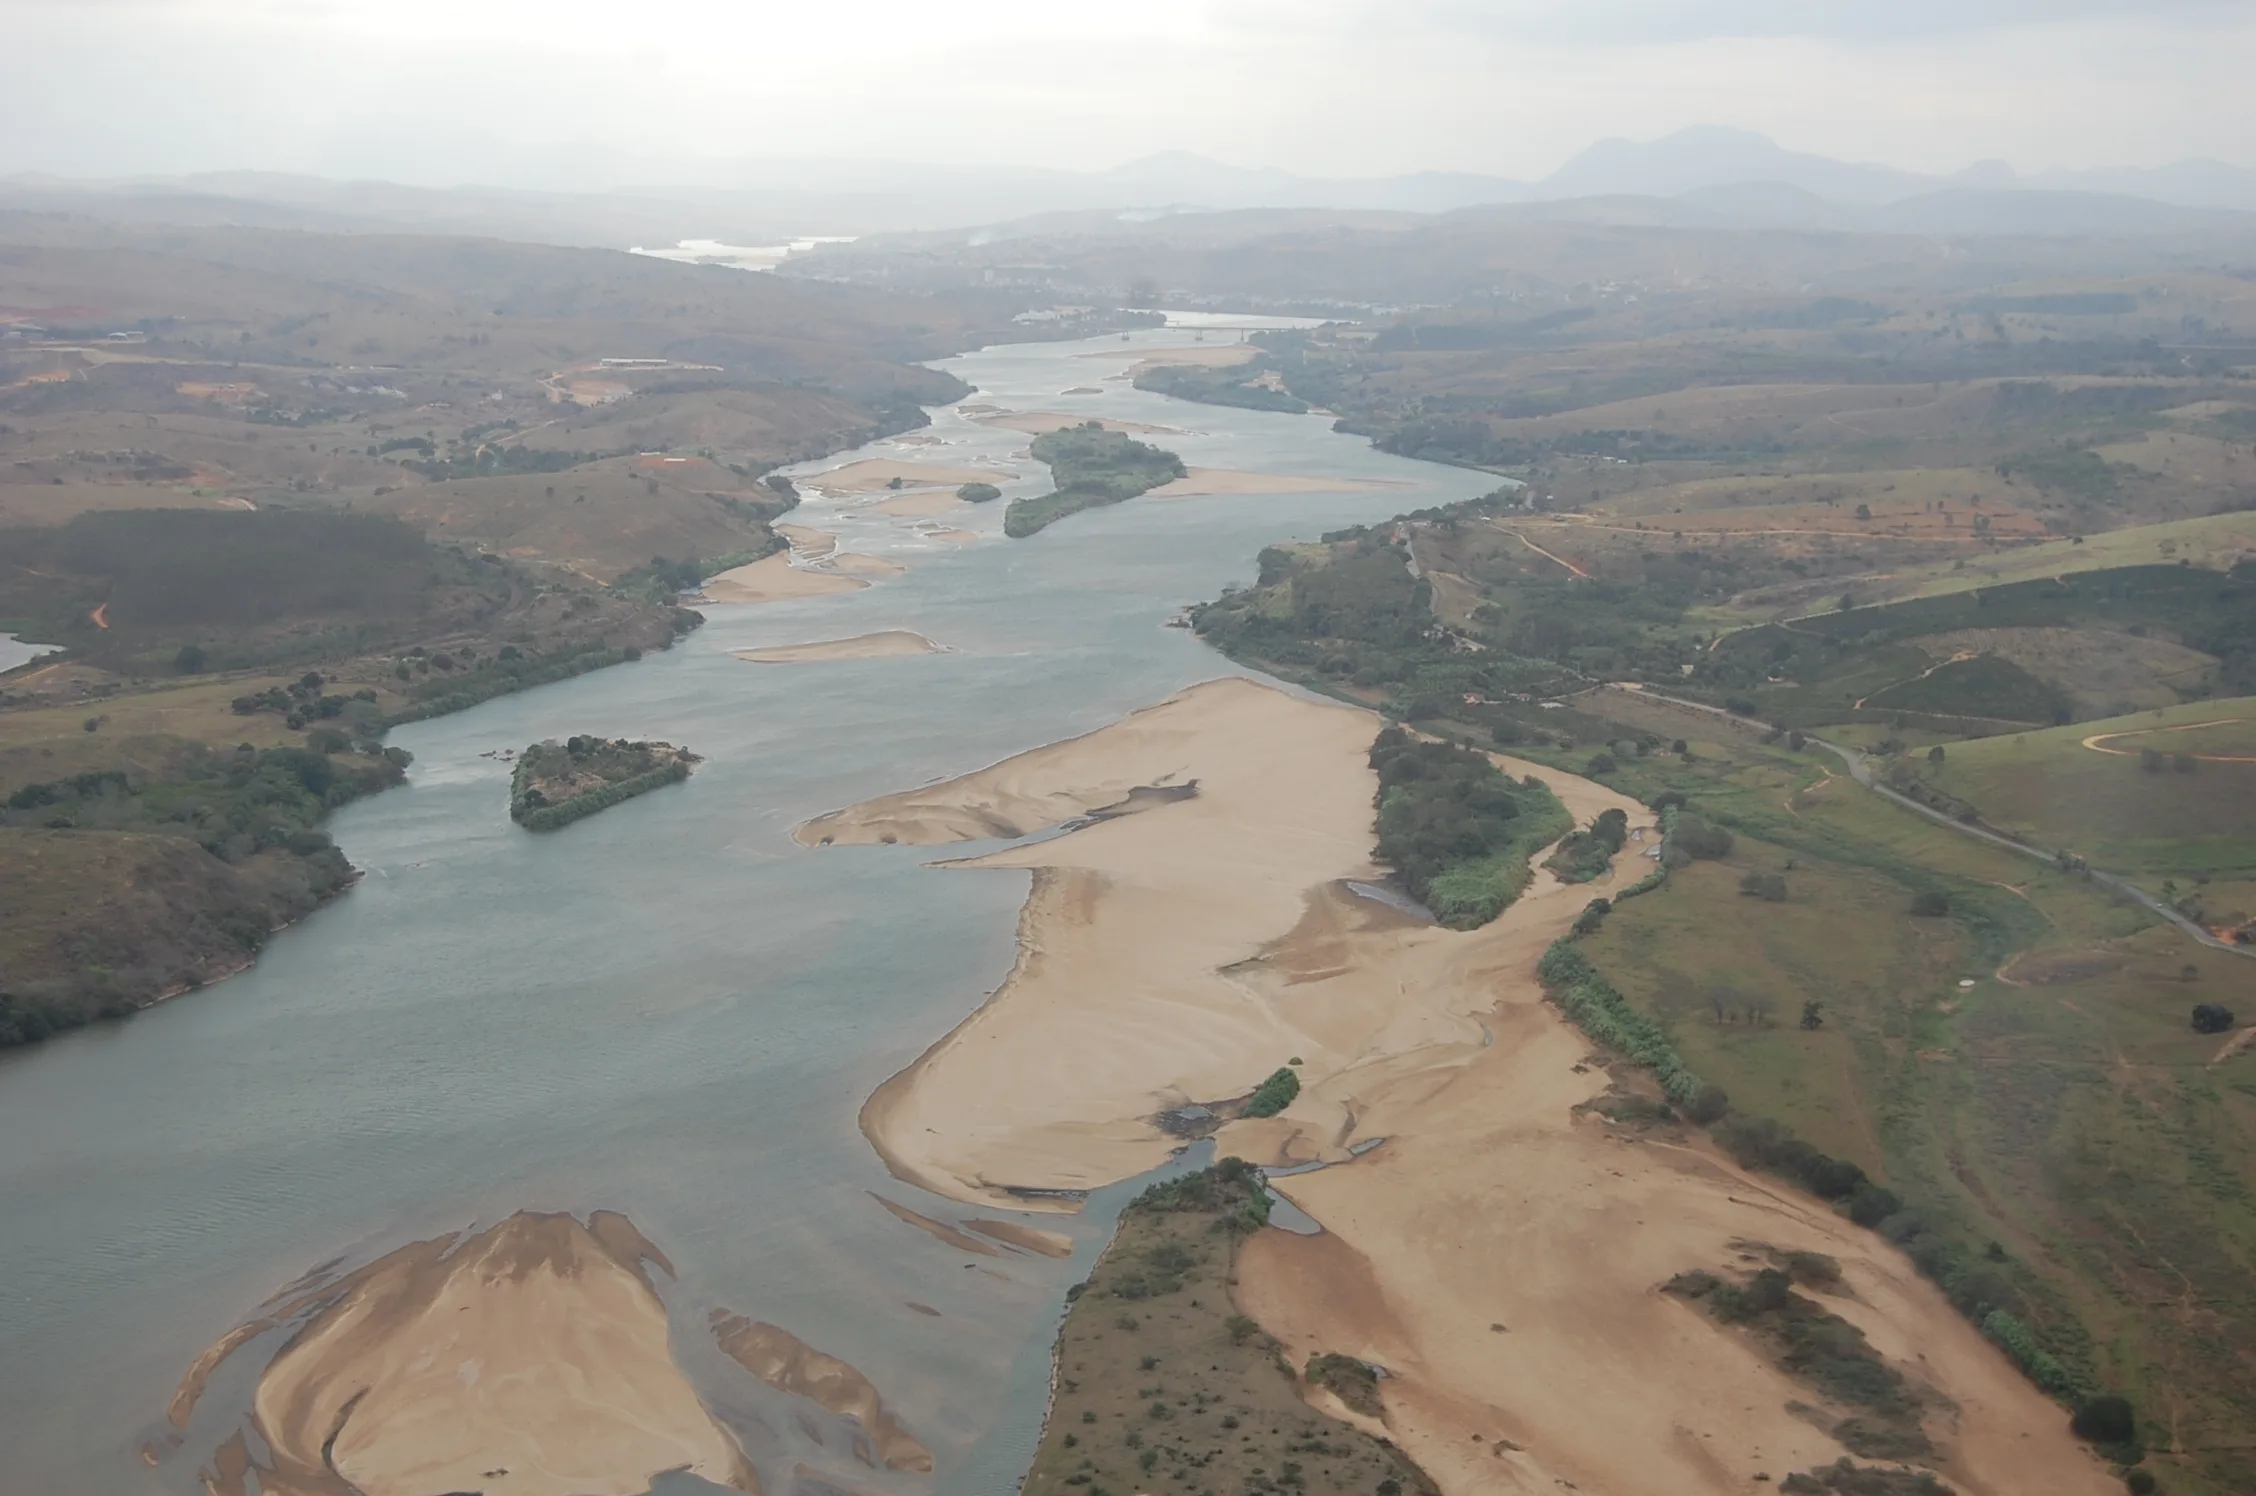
(1860, 769)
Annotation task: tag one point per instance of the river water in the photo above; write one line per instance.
(667, 1010)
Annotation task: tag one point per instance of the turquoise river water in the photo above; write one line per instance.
(668, 1010)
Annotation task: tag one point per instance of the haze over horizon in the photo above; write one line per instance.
(572, 94)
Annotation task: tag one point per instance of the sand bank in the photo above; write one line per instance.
(920, 505)
(855, 564)
(1182, 953)
(808, 544)
(530, 1359)
(1121, 1005)
(789, 1364)
(947, 536)
(1042, 422)
(774, 579)
(861, 647)
(1218, 481)
(874, 473)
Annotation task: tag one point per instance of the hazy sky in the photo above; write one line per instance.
(597, 92)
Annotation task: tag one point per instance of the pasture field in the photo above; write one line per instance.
(2060, 1105)
(2176, 819)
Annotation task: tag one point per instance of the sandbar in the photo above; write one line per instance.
(921, 505)
(855, 564)
(882, 645)
(947, 536)
(529, 1359)
(789, 1364)
(874, 473)
(808, 544)
(1042, 422)
(774, 579)
(1501, 1254)
(1199, 482)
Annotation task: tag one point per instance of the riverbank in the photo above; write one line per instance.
(1501, 1256)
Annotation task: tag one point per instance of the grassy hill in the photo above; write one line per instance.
(2162, 795)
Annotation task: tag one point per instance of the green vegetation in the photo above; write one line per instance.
(1232, 385)
(979, 493)
(1091, 467)
(1880, 1412)
(1603, 1013)
(201, 855)
(2194, 828)
(1845, 1477)
(1159, 1379)
(1274, 1094)
(1455, 829)
(1589, 852)
(1861, 665)
(556, 784)
(2047, 1145)
(1353, 1382)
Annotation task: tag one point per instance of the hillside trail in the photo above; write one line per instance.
(1913, 680)
(2097, 741)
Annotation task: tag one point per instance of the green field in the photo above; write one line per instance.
(2173, 819)
(2060, 1106)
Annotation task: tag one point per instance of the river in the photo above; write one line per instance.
(667, 1010)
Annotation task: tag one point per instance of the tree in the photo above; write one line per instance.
(1813, 1014)
(1864, 511)
(190, 660)
(2211, 1018)
(1935, 755)
(2107, 1419)
(1933, 904)
(979, 493)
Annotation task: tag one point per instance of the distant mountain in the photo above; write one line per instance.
(1703, 176)
(1707, 156)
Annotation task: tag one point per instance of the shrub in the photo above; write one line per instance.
(2018, 1341)
(1274, 1094)
(2106, 1419)
(1700, 839)
(2211, 1018)
(1769, 887)
(1606, 1016)
(1933, 904)
(979, 493)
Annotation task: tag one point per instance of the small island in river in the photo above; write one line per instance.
(556, 784)
(1092, 466)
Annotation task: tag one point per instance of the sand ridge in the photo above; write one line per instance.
(789, 1364)
(1182, 953)
(885, 644)
(528, 1359)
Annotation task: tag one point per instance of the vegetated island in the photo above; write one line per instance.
(1248, 386)
(558, 783)
(1092, 467)
(1159, 1378)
